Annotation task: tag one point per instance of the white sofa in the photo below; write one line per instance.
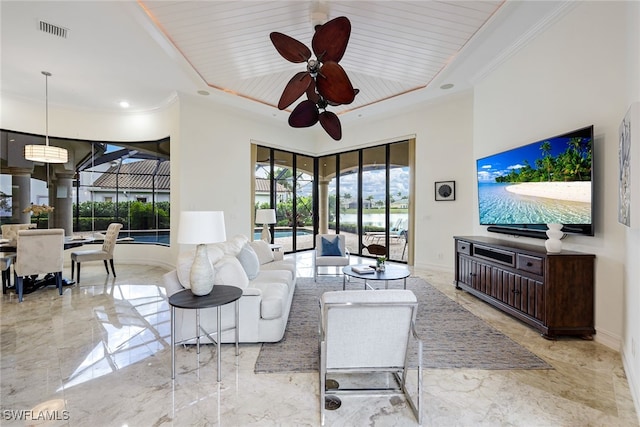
(267, 280)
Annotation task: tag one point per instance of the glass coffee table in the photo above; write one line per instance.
(390, 273)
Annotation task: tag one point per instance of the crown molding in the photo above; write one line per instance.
(541, 26)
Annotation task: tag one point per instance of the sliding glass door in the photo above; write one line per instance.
(362, 194)
(284, 181)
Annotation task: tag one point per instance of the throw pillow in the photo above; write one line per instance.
(229, 271)
(262, 249)
(331, 247)
(249, 261)
(234, 245)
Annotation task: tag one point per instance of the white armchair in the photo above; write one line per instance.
(370, 332)
(331, 251)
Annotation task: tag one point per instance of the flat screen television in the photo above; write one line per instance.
(548, 181)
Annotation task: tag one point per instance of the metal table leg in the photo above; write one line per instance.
(237, 327)
(198, 332)
(173, 348)
(219, 338)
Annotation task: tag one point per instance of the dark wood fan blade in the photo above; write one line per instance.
(355, 91)
(330, 40)
(290, 48)
(312, 95)
(294, 89)
(334, 84)
(331, 124)
(304, 115)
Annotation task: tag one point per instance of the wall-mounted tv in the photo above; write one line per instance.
(549, 181)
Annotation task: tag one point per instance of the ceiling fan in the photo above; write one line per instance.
(325, 82)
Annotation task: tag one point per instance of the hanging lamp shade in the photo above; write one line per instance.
(46, 153)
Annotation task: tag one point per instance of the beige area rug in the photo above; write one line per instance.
(452, 336)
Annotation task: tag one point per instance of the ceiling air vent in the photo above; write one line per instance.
(53, 29)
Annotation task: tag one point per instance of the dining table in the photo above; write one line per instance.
(34, 283)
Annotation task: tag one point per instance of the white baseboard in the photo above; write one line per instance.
(632, 379)
(605, 337)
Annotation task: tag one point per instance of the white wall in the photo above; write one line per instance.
(631, 297)
(573, 75)
(211, 161)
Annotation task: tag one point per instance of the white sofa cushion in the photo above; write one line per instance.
(249, 261)
(272, 276)
(285, 264)
(229, 272)
(262, 249)
(185, 259)
(274, 299)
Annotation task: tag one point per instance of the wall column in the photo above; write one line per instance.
(20, 194)
(61, 192)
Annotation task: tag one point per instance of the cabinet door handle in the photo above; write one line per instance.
(463, 247)
(472, 274)
(515, 291)
(529, 264)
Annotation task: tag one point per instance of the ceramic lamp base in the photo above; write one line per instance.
(266, 234)
(201, 275)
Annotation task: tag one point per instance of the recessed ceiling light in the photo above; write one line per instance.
(124, 104)
(203, 92)
(446, 86)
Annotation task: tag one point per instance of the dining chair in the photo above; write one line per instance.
(105, 253)
(39, 251)
(6, 259)
(10, 231)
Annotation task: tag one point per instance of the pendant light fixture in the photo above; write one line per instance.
(46, 153)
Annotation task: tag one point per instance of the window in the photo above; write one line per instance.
(285, 182)
(125, 182)
(363, 194)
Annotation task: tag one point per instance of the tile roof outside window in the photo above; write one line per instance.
(138, 174)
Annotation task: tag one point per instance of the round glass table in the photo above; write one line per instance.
(390, 273)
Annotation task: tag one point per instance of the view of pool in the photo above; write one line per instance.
(281, 233)
(162, 237)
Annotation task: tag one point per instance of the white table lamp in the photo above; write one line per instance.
(201, 228)
(266, 217)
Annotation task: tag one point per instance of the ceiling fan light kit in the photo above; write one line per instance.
(324, 82)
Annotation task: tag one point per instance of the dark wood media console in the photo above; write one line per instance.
(551, 292)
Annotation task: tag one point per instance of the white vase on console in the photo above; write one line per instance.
(554, 234)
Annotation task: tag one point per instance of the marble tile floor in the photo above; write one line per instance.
(99, 355)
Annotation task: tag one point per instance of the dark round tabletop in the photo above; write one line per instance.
(390, 273)
(220, 295)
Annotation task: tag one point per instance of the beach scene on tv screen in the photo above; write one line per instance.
(540, 183)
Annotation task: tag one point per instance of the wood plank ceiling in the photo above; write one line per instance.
(395, 47)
